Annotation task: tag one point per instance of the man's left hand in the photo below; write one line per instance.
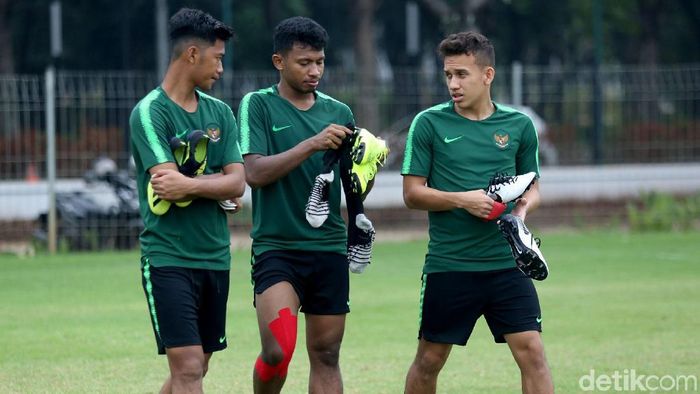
(171, 185)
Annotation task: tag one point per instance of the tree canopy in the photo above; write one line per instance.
(120, 35)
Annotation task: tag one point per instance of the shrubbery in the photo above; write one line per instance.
(663, 212)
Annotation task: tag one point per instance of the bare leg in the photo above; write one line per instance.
(528, 351)
(324, 334)
(423, 374)
(188, 365)
(267, 307)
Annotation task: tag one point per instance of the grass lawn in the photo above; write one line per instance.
(614, 301)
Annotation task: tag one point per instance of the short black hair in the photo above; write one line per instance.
(189, 23)
(469, 43)
(299, 29)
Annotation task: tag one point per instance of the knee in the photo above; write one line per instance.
(328, 356)
(192, 369)
(429, 363)
(273, 355)
(274, 361)
(531, 355)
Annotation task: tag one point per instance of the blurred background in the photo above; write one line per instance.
(613, 88)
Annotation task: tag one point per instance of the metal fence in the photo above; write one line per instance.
(650, 115)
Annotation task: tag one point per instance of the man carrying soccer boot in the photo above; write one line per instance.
(286, 130)
(452, 152)
(359, 157)
(187, 159)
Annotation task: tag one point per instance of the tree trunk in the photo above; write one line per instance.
(7, 63)
(366, 110)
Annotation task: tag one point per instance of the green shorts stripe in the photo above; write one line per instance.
(149, 294)
(422, 295)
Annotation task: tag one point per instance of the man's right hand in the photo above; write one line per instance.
(329, 138)
(477, 203)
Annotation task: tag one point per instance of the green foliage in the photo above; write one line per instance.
(109, 35)
(663, 212)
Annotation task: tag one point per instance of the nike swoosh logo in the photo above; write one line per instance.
(539, 320)
(276, 129)
(222, 339)
(448, 140)
(182, 134)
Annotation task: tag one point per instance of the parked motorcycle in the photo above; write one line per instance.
(102, 215)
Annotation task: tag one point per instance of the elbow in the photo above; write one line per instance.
(409, 200)
(253, 181)
(240, 188)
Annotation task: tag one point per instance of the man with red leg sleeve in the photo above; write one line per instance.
(285, 130)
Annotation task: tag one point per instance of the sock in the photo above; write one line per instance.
(360, 229)
(317, 207)
(360, 241)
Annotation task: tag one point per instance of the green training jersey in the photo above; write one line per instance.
(195, 236)
(456, 154)
(271, 125)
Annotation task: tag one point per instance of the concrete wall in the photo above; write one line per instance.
(25, 200)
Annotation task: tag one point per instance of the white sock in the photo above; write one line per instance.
(317, 209)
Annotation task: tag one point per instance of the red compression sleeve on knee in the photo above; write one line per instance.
(496, 211)
(284, 329)
(265, 371)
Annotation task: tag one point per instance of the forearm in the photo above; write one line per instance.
(529, 201)
(220, 186)
(428, 199)
(533, 198)
(264, 170)
(223, 188)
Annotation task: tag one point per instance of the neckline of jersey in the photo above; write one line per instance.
(277, 93)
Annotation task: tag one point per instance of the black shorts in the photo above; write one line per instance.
(187, 306)
(452, 302)
(320, 279)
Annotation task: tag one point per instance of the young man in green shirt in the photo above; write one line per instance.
(184, 144)
(285, 130)
(452, 151)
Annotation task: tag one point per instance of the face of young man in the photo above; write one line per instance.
(208, 65)
(301, 67)
(468, 82)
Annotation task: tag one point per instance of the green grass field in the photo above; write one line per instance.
(613, 301)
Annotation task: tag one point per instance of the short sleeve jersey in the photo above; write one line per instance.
(270, 125)
(195, 236)
(456, 154)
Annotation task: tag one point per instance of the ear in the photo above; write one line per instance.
(489, 74)
(278, 61)
(192, 54)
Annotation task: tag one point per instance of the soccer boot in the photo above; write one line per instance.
(195, 158)
(317, 207)
(524, 246)
(504, 188)
(180, 151)
(196, 154)
(155, 204)
(360, 241)
(228, 206)
(367, 153)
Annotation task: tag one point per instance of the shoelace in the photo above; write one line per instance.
(374, 166)
(499, 180)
